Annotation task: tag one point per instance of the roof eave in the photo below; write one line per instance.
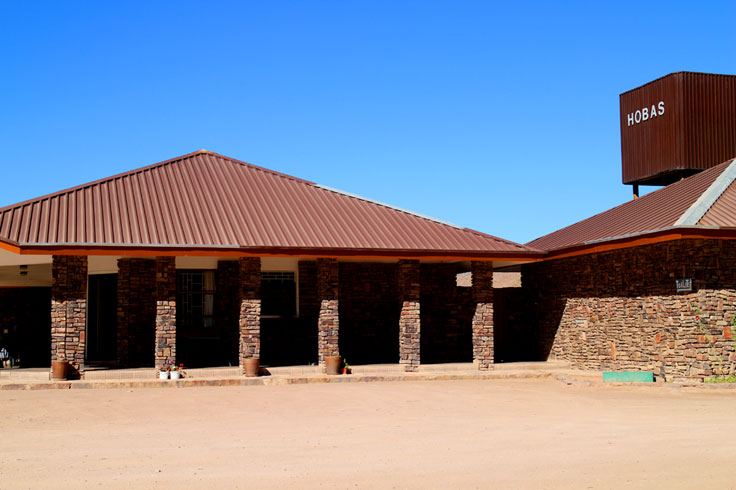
(648, 237)
(153, 250)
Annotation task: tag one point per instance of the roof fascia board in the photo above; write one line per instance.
(646, 238)
(706, 200)
(214, 251)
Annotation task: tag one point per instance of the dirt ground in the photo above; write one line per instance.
(515, 434)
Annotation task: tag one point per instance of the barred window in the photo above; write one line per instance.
(196, 302)
(278, 294)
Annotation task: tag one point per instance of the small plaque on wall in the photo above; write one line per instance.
(684, 284)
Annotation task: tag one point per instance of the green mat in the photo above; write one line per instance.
(628, 377)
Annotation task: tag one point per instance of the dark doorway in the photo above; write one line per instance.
(285, 339)
(201, 340)
(102, 318)
(369, 313)
(25, 325)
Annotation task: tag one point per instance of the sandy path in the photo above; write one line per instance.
(474, 434)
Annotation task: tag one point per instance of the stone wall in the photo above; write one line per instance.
(136, 312)
(250, 307)
(619, 310)
(410, 316)
(328, 325)
(69, 310)
(482, 294)
(165, 344)
(25, 324)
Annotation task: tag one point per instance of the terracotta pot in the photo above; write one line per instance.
(59, 370)
(252, 366)
(332, 365)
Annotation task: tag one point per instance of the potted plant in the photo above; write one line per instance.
(332, 365)
(251, 366)
(59, 367)
(163, 372)
(345, 367)
(176, 371)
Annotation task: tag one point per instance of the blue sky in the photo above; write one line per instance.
(501, 117)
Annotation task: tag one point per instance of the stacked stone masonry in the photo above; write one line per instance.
(250, 308)
(482, 293)
(410, 316)
(69, 310)
(165, 311)
(328, 326)
(619, 310)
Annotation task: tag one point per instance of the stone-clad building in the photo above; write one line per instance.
(206, 260)
(648, 285)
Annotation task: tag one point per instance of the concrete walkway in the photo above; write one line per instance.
(38, 378)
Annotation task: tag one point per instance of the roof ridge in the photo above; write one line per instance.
(104, 179)
(367, 199)
(637, 202)
(705, 201)
(298, 180)
(257, 167)
(421, 216)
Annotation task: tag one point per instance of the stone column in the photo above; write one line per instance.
(69, 310)
(165, 311)
(482, 290)
(249, 273)
(409, 321)
(328, 325)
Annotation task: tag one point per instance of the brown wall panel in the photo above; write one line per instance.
(693, 128)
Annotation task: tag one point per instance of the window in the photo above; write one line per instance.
(196, 303)
(278, 294)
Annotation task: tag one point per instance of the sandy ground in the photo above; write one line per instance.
(512, 434)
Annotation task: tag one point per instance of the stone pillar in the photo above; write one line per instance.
(409, 321)
(482, 290)
(328, 325)
(249, 272)
(165, 311)
(69, 310)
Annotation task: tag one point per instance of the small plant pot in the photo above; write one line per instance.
(59, 370)
(163, 375)
(175, 375)
(332, 365)
(252, 366)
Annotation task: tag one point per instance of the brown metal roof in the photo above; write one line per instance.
(206, 200)
(656, 211)
(723, 212)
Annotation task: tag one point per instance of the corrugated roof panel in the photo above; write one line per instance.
(723, 211)
(654, 211)
(205, 199)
